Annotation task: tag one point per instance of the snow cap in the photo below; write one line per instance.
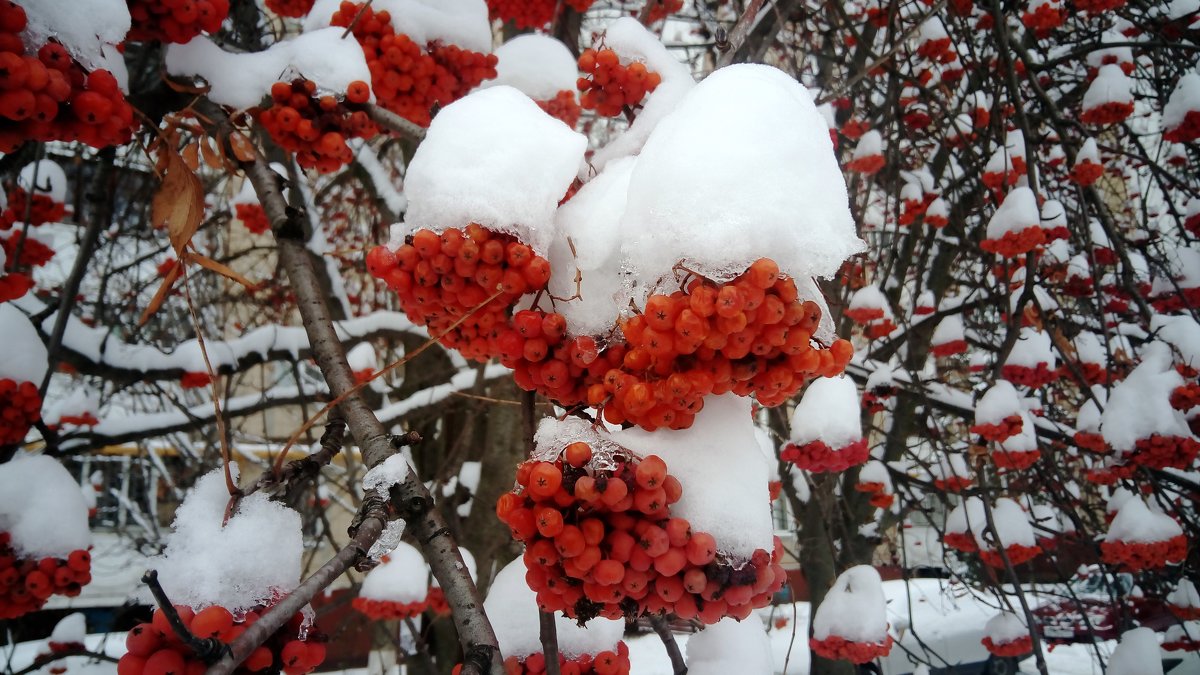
(828, 412)
(854, 608)
(42, 508)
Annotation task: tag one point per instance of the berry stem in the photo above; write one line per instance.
(206, 649)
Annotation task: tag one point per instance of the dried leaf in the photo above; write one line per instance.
(191, 156)
(179, 203)
(161, 294)
(212, 155)
(221, 269)
(242, 147)
(185, 87)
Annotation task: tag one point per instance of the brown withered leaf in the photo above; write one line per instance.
(210, 153)
(161, 294)
(185, 87)
(219, 268)
(191, 156)
(243, 148)
(179, 203)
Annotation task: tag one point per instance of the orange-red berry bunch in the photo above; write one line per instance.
(41, 209)
(1185, 397)
(1017, 554)
(1038, 376)
(442, 278)
(436, 601)
(608, 87)
(411, 79)
(1086, 172)
(384, 610)
(154, 648)
(1165, 452)
(602, 542)
(839, 648)
(818, 457)
(752, 335)
(1044, 19)
(1107, 113)
(1015, 460)
(1142, 555)
(1000, 431)
(961, 541)
(290, 8)
(316, 128)
(14, 285)
(1187, 130)
(20, 408)
(26, 583)
(48, 96)
(531, 13)
(661, 9)
(175, 20)
(253, 216)
(880, 497)
(1092, 441)
(563, 106)
(1018, 647)
(195, 380)
(1015, 243)
(22, 250)
(607, 662)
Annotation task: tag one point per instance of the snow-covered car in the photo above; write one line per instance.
(1099, 607)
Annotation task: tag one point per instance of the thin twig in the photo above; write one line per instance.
(207, 649)
(660, 625)
(741, 29)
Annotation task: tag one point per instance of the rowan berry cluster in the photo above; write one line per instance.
(175, 20)
(563, 106)
(1187, 130)
(960, 541)
(866, 164)
(20, 408)
(999, 431)
(253, 216)
(1037, 376)
(818, 457)
(839, 648)
(411, 79)
(1165, 452)
(608, 87)
(154, 648)
(195, 380)
(1107, 113)
(1086, 172)
(290, 8)
(531, 13)
(1091, 441)
(1044, 18)
(1015, 460)
(315, 128)
(661, 9)
(880, 497)
(37, 209)
(22, 251)
(602, 542)
(26, 583)
(1185, 397)
(1141, 555)
(1017, 647)
(48, 96)
(1017, 554)
(950, 348)
(14, 285)
(442, 279)
(384, 610)
(1015, 243)
(604, 663)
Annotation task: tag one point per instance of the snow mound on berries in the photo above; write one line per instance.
(1181, 332)
(1111, 85)
(854, 608)
(1135, 522)
(1011, 524)
(242, 80)
(730, 646)
(718, 453)
(1000, 401)
(456, 22)
(403, 577)
(538, 65)
(42, 507)
(72, 629)
(23, 358)
(512, 609)
(828, 412)
(1005, 627)
(1018, 211)
(1184, 99)
(248, 560)
(84, 27)
(78, 402)
(632, 42)
(1140, 405)
(389, 472)
(588, 223)
(1031, 348)
(768, 189)
(494, 158)
(44, 177)
(1136, 654)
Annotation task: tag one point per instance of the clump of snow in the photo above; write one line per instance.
(1089, 417)
(23, 358)
(1136, 654)
(1184, 99)
(42, 508)
(456, 22)
(1184, 595)
(998, 402)
(1018, 211)
(1011, 524)
(362, 357)
(854, 608)
(1023, 441)
(242, 80)
(1111, 85)
(950, 466)
(1117, 500)
(730, 646)
(391, 471)
(828, 412)
(1181, 332)
(79, 401)
(246, 561)
(1139, 406)
(1088, 152)
(402, 577)
(777, 178)
(968, 516)
(949, 329)
(718, 449)
(869, 144)
(70, 630)
(84, 27)
(512, 609)
(1005, 627)
(1033, 347)
(1135, 522)
(869, 297)
(537, 65)
(494, 158)
(44, 177)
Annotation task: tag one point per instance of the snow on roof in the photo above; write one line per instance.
(42, 508)
(494, 158)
